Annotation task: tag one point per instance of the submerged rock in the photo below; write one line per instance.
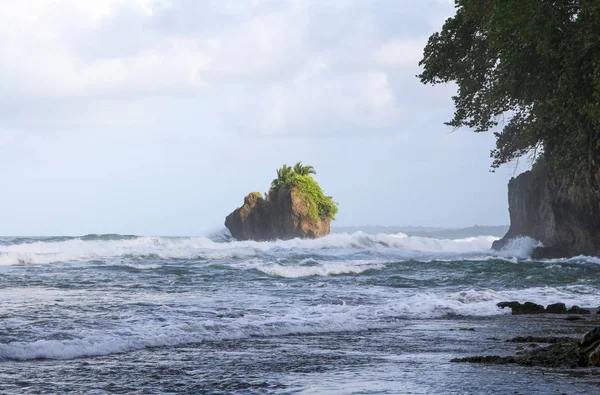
(283, 215)
(562, 214)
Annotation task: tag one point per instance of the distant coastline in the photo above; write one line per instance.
(428, 231)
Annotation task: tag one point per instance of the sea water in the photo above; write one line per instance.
(347, 313)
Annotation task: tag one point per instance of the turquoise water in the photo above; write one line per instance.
(348, 313)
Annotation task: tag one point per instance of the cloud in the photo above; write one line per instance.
(268, 65)
(400, 52)
(154, 117)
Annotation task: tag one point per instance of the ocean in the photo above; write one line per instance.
(345, 314)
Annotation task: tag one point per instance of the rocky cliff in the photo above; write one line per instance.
(562, 214)
(284, 214)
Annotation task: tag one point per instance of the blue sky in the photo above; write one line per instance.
(157, 117)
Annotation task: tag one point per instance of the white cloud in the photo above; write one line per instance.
(400, 52)
(263, 66)
(112, 111)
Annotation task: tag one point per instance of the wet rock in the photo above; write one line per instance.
(578, 310)
(573, 318)
(589, 348)
(594, 357)
(537, 339)
(561, 352)
(591, 337)
(561, 212)
(491, 359)
(509, 304)
(533, 308)
(556, 308)
(525, 308)
(529, 308)
(549, 253)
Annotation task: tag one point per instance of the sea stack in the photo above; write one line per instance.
(294, 207)
(556, 210)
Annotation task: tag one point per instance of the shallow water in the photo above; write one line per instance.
(343, 314)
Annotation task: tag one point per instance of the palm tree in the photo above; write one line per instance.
(304, 170)
(283, 175)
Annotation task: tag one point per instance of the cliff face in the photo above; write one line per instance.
(283, 215)
(562, 214)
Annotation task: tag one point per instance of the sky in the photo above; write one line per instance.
(158, 117)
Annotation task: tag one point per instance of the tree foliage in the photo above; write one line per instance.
(304, 170)
(533, 65)
(284, 174)
(319, 205)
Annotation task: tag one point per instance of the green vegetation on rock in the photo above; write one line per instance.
(534, 64)
(319, 206)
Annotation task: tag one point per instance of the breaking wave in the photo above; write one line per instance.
(393, 309)
(91, 247)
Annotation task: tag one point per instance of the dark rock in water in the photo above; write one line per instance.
(533, 308)
(594, 357)
(591, 337)
(578, 310)
(283, 215)
(589, 348)
(561, 352)
(525, 308)
(529, 308)
(537, 339)
(573, 318)
(556, 308)
(549, 253)
(560, 212)
(512, 305)
(491, 359)
(558, 354)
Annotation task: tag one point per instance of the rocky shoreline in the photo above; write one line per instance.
(571, 352)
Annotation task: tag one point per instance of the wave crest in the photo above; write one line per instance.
(101, 247)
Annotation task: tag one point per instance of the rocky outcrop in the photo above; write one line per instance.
(533, 308)
(559, 352)
(562, 214)
(589, 348)
(556, 308)
(525, 308)
(282, 215)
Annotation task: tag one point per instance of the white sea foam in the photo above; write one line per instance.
(520, 247)
(42, 252)
(399, 246)
(392, 309)
(319, 269)
(353, 311)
